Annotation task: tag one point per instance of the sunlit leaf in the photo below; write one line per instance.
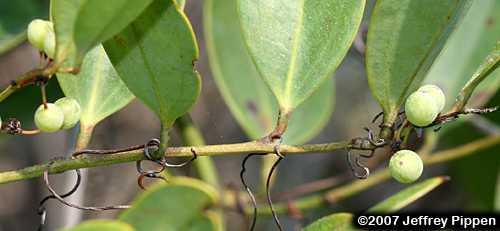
(296, 45)
(407, 196)
(102, 225)
(178, 205)
(154, 56)
(97, 87)
(336, 221)
(404, 38)
(82, 24)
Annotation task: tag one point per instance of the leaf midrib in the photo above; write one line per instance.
(95, 86)
(151, 76)
(293, 56)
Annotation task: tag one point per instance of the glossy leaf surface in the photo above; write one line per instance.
(296, 45)
(97, 88)
(155, 57)
(82, 24)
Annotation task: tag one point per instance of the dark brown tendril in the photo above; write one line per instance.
(54, 195)
(42, 211)
(153, 145)
(249, 191)
(105, 152)
(355, 164)
(268, 187)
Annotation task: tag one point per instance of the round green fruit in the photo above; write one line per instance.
(406, 166)
(71, 110)
(49, 119)
(49, 46)
(37, 32)
(436, 93)
(421, 109)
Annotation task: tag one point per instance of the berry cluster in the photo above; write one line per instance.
(422, 107)
(62, 114)
(41, 35)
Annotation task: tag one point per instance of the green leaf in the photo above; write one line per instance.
(336, 221)
(178, 205)
(466, 49)
(97, 87)
(102, 225)
(82, 24)
(407, 196)
(154, 56)
(14, 19)
(296, 46)
(249, 99)
(404, 38)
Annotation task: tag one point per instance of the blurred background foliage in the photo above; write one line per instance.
(474, 179)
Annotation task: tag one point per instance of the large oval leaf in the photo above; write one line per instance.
(178, 205)
(102, 225)
(97, 87)
(407, 196)
(467, 47)
(253, 105)
(404, 37)
(295, 44)
(336, 221)
(82, 24)
(154, 56)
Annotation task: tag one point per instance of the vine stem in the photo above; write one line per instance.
(355, 187)
(59, 166)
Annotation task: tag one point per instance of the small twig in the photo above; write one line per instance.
(453, 115)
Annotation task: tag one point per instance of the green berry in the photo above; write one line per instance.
(37, 32)
(421, 108)
(71, 110)
(49, 46)
(49, 119)
(436, 93)
(406, 166)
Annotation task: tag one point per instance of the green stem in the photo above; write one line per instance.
(355, 187)
(84, 137)
(164, 139)
(191, 135)
(129, 156)
(489, 65)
